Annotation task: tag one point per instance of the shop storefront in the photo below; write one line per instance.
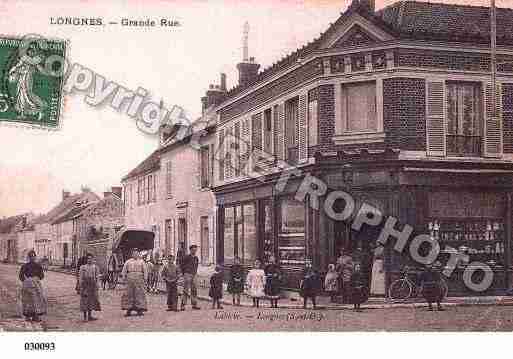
(465, 212)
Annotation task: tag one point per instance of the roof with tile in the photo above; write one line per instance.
(411, 20)
(8, 224)
(149, 164)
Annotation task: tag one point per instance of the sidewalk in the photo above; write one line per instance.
(294, 301)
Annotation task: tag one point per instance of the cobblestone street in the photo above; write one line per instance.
(64, 314)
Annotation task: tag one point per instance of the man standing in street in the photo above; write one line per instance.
(189, 269)
(170, 274)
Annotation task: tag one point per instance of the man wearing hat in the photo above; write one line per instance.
(190, 269)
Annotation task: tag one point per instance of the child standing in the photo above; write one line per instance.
(236, 283)
(256, 283)
(310, 284)
(359, 292)
(216, 288)
(330, 282)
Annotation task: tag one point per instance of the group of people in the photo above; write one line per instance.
(347, 279)
(261, 282)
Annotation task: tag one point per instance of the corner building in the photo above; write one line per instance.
(393, 106)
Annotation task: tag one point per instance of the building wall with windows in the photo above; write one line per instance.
(391, 114)
(182, 208)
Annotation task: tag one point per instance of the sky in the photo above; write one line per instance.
(96, 147)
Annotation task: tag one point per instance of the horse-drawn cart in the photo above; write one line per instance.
(124, 242)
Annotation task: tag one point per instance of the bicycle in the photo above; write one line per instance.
(404, 288)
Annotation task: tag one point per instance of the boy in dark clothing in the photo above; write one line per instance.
(431, 284)
(359, 292)
(216, 288)
(236, 283)
(310, 284)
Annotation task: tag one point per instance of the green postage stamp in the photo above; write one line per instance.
(31, 69)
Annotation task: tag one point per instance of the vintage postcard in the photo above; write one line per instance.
(292, 166)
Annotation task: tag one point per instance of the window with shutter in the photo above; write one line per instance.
(464, 117)
(236, 159)
(267, 131)
(435, 123)
(246, 148)
(291, 130)
(313, 122)
(221, 154)
(204, 166)
(279, 120)
(302, 128)
(493, 122)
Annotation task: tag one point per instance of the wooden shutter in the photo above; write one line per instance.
(492, 124)
(220, 155)
(435, 118)
(303, 128)
(246, 148)
(279, 118)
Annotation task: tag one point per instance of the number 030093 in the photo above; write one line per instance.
(40, 346)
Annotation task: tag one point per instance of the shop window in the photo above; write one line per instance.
(268, 231)
(249, 239)
(240, 233)
(229, 235)
(292, 248)
(464, 118)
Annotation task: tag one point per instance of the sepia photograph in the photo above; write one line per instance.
(256, 166)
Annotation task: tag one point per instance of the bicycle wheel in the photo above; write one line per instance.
(400, 289)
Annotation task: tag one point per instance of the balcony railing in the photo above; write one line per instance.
(460, 145)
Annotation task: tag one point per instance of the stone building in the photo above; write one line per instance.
(54, 236)
(394, 106)
(10, 227)
(94, 226)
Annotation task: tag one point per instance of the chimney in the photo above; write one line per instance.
(366, 5)
(117, 191)
(65, 194)
(248, 72)
(223, 82)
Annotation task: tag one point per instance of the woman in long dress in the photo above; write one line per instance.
(89, 274)
(255, 281)
(33, 300)
(136, 274)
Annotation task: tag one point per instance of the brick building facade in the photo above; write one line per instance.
(393, 106)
